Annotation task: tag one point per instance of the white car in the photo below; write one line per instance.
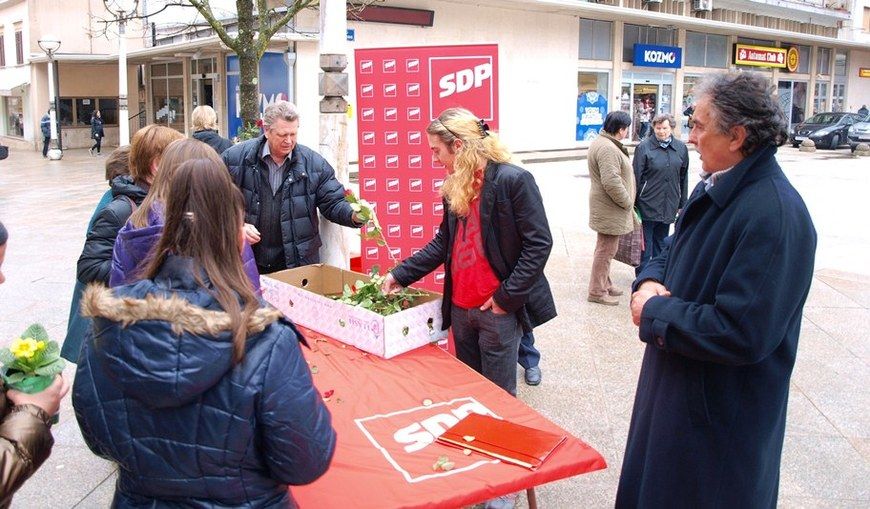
(859, 133)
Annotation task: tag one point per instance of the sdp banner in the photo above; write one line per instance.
(399, 91)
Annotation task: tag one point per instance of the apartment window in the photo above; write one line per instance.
(706, 50)
(19, 46)
(824, 61)
(2, 50)
(636, 34)
(596, 39)
(804, 57)
(840, 64)
(77, 111)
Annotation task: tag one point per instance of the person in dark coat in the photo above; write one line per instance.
(95, 262)
(284, 184)
(494, 242)
(204, 120)
(117, 164)
(45, 127)
(661, 173)
(96, 132)
(720, 313)
(189, 382)
(142, 232)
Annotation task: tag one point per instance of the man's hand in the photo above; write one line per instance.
(48, 400)
(252, 234)
(645, 292)
(390, 284)
(492, 304)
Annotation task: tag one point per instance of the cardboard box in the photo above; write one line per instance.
(301, 294)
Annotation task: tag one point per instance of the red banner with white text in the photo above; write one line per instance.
(399, 91)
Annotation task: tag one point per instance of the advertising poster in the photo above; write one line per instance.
(274, 86)
(399, 91)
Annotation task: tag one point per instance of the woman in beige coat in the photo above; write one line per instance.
(611, 202)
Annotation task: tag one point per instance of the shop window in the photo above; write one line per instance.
(109, 111)
(824, 61)
(596, 39)
(636, 34)
(687, 107)
(820, 97)
(14, 116)
(65, 111)
(77, 111)
(804, 57)
(592, 93)
(840, 64)
(838, 101)
(706, 50)
(2, 50)
(85, 109)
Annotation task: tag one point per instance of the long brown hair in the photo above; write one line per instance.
(203, 214)
(175, 154)
(147, 146)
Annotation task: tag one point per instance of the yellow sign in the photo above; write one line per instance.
(759, 56)
(864, 72)
(792, 59)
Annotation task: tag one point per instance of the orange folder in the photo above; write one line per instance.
(503, 440)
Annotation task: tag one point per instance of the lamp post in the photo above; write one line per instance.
(122, 10)
(50, 45)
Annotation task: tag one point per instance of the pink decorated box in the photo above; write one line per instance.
(301, 294)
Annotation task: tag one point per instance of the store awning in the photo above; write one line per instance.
(12, 84)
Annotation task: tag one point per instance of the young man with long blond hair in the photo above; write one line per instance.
(494, 242)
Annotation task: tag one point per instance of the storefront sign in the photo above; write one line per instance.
(647, 55)
(864, 72)
(274, 85)
(399, 91)
(793, 59)
(759, 56)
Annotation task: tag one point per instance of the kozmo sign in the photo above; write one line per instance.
(647, 55)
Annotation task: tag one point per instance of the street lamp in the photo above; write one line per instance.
(50, 45)
(122, 10)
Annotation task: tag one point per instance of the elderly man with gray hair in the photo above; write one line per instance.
(661, 174)
(284, 184)
(720, 313)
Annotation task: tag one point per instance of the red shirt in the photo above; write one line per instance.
(473, 279)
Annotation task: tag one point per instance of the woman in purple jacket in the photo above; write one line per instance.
(138, 237)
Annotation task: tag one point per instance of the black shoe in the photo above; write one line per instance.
(533, 376)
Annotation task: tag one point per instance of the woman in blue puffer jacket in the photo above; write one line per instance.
(143, 230)
(195, 388)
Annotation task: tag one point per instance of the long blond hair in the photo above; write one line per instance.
(479, 146)
(175, 154)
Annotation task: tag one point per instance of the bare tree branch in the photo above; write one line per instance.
(204, 9)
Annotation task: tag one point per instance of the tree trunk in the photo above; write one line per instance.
(249, 64)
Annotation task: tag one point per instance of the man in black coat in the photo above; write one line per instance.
(661, 171)
(720, 311)
(284, 184)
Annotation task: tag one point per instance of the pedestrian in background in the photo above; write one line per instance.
(611, 202)
(138, 237)
(661, 171)
(195, 388)
(45, 127)
(25, 436)
(96, 132)
(204, 120)
(720, 312)
(148, 144)
(117, 164)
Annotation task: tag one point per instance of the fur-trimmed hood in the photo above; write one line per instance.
(164, 348)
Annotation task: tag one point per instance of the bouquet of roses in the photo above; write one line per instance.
(31, 362)
(365, 212)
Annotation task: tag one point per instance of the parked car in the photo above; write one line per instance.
(859, 133)
(827, 130)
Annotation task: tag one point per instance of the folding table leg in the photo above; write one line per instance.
(533, 500)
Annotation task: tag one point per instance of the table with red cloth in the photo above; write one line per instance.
(387, 414)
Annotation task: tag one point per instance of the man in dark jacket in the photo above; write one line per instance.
(720, 311)
(661, 171)
(45, 127)
(493, 254)
(284, 184)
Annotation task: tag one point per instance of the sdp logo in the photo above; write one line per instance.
(462, 81)
(406, 437)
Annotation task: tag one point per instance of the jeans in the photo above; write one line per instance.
(654, 235)
(605, 250)
(97, 141)
(45, 143)
(529, 356)
(488, 343)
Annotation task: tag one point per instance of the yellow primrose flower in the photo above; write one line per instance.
(40, 346)
(24, 348)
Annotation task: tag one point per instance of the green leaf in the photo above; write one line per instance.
(6, 357)
(37, 332)
(55, 368)
(367, 303)
(14, 378)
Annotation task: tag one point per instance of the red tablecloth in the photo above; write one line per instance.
(387, 413)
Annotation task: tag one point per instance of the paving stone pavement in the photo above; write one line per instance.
(591, 356)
